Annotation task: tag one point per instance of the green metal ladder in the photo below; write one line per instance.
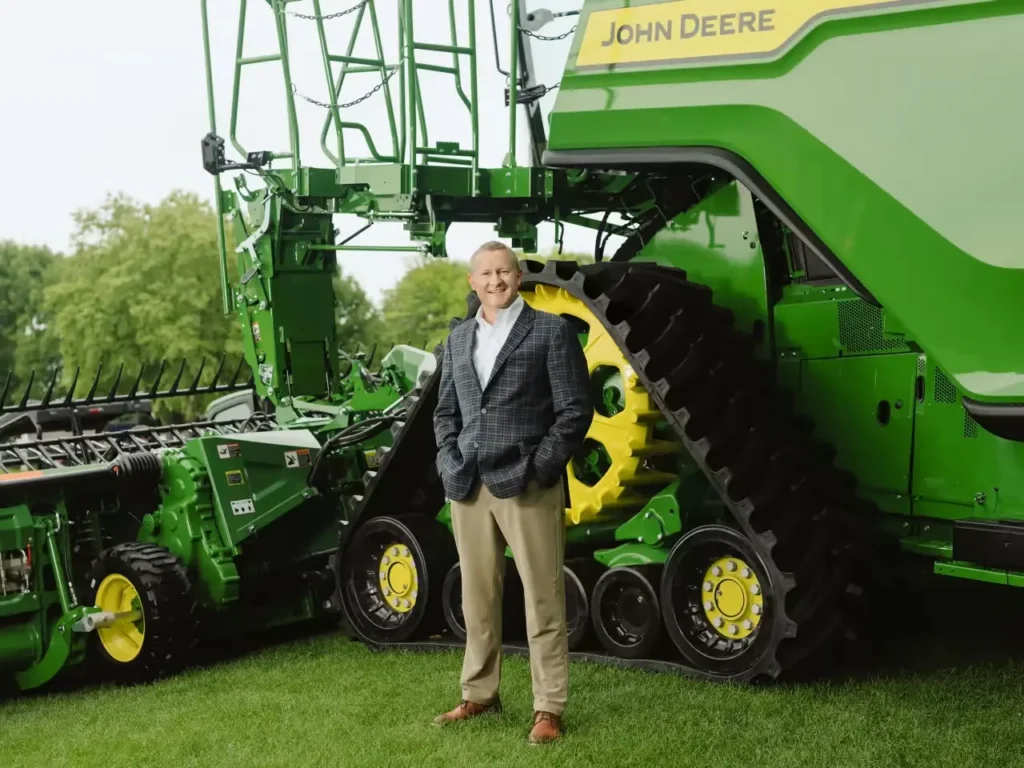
(408, 133)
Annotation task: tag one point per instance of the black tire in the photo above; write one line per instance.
(684, 597)
(580, 577)
(451, 599)
(167, 626)
(626, 611)
(367, 609)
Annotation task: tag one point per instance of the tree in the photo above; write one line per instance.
(142, 286)
(26, 343)
(420, 306)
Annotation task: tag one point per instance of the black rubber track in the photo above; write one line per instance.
(778, 483)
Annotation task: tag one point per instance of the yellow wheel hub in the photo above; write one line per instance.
(398, 578)
(627, 436)
(732, 597)
(123, 639)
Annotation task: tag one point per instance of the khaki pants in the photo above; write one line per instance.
(533, 526)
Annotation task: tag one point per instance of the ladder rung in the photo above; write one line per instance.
(377, 63)
(436, 68)
(443, 48)
(260, 59)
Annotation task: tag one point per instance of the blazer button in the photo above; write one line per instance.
(483, 410)
(476, 445)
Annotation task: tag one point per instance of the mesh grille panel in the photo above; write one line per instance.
(860, 328)
(945, 392)
(970, 425)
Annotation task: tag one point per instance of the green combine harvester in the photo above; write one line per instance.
(802, 347)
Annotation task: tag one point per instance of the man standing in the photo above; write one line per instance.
(513, 406)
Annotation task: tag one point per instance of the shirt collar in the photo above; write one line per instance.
(505, 317)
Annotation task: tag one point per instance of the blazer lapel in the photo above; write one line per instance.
(519, 332)
(463, 353)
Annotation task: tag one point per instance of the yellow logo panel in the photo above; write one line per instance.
(695, 30)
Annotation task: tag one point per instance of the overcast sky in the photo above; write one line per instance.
(105, 97)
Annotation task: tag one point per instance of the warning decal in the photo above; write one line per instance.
(299, 458)
(699, 30)
(235, 477)
(229, 450)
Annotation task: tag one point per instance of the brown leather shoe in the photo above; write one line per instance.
(466, 710)
(546, 727)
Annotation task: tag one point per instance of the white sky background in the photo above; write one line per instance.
(110, 96)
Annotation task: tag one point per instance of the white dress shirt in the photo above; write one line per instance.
(491, 338)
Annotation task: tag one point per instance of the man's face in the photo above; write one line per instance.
(494, 279)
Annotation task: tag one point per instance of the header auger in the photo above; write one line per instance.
(806, 358)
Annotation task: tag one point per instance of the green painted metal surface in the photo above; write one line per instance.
(848, 134)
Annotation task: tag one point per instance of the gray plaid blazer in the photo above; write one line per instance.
(528, 420)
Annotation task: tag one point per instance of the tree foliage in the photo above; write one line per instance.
(141, 286)
(420, 306)
(24, 343)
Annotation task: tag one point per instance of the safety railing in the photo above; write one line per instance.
(408, 130)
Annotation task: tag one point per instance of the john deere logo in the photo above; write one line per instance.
(694, 31)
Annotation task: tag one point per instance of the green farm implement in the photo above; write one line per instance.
(802, 343)
(129, 547)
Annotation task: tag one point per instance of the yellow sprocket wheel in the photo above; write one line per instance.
(624, 432)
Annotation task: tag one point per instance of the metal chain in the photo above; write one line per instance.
(544, 37)
(337, 15)
(364, 97)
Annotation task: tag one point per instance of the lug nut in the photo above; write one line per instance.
(733, 629)
(745, 573)
(731, 566)
(756, 589)
(707, 586)
(708, 605)
(716, 571)
(756, 610)
(717, 622)
(747, 624)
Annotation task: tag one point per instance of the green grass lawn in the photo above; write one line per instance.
(324, 700)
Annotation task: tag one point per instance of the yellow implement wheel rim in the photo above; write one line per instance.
(123, 639)
(627, 436)
(732, 597)
(399, 581)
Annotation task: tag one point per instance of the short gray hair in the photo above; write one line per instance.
(494, 245)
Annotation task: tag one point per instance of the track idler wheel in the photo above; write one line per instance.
(391, 577)
(513, 615)
(626, 612)
(580, 576)
(720, 604)
(149, 626)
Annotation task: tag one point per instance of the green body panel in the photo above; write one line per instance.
(284, 301)
(632, 554)
(973, 573)
(864, 407)
(863, 157)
